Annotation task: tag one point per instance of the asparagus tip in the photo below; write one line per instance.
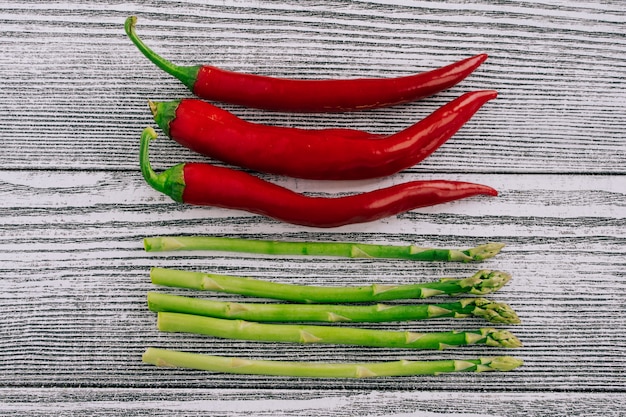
(485, 282)
(492, 311)
(500, 363)
(500, 338)
(482, 252)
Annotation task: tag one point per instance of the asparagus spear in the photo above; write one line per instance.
(342, 249)
(481, 283)
(247, 330)
(478, 307)
(233, 365)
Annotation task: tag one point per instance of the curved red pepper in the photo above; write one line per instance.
(281, 94)
(326, 154)
(208, 185)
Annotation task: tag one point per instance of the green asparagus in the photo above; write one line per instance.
(481, 283)
(247, 330)
(478, 307)
(341, 249)
(233, 365)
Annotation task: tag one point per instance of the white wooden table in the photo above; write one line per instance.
(74, 207)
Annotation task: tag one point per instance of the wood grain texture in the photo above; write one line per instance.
(74, 208)
(172, 402)
(559, 70)
(74, 270)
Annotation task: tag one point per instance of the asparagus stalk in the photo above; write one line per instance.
(481, 283)
(233, 365)
(247, 330)
(478, 307)
(341, 249)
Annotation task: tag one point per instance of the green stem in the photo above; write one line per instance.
(341, 249)
(164, 113)
(477, 307)
(171, 182)
(233, 365)
(247, 330)
(187, 75)
(481, 283)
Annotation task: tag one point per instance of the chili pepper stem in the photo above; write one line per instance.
(164, 113)
(187, 75)
(234, 365)
(170, 182)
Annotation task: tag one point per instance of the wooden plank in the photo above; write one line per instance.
(427, 403)
(75, 278)
(77, 100)
(73, 207)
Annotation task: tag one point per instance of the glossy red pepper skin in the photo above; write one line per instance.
(327, 154)
(271, 93)
(209, 185)
(328, 95)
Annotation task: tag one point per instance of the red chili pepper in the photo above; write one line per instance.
(327, 154)
(208, 185)
(291, 95)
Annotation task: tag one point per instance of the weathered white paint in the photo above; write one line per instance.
(74, 208)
